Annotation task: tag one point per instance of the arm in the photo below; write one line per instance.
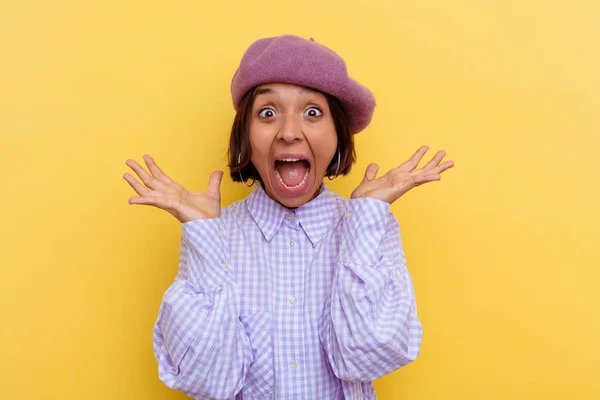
(199, 342)
(370, 326)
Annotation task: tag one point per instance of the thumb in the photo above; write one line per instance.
(371, 172)
(214, 183)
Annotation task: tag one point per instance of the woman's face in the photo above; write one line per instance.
(293, 140)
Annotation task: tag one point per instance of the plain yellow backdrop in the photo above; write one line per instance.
(504, 250)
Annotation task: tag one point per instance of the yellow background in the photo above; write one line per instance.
(503, 250)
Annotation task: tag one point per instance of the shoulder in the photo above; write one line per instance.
(236, 211)
(342, 204)
(367, 209)
(363, 206)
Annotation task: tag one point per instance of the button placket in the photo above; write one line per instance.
(290, 310)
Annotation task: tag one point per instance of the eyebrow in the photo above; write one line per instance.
(258, 92)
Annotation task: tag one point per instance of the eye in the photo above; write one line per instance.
(314, 112)
(267, 113)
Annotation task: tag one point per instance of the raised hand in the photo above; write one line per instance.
(162, 192)
(401, 179)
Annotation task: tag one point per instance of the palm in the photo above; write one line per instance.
(162, 192)
(205, 201)
(401, 179)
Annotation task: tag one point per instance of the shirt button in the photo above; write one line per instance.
(225, 265)
(292, 243)
(221, 233)
(293, 365)
(343, 247)
(348, 214)
(289, 217)
(292, 300)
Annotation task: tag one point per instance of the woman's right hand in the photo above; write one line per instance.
(162, 192)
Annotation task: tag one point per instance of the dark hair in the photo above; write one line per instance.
(239, 140)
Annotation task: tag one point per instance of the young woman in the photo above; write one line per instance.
(293, 292)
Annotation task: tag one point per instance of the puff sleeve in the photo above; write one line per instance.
(199, 342)
(370, 325)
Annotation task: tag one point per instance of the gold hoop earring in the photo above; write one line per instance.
(337, 169)
(240, 172)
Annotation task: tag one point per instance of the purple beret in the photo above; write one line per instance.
(292, 59)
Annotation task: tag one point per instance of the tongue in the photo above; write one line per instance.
(292, 173)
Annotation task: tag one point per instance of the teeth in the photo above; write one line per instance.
(289, 159)
(292, 187)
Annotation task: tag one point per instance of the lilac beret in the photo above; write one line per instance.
(292, 59)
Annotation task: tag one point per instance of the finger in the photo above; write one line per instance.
(435, 161)
(138, 200)
(441, 168)
(214, 183)
(414, 159)
(144, 176)
(155, 201)
(427, 178)
(155, 170)
(371, 172)
(138, 187)
(416, 181)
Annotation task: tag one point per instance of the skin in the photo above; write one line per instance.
(290, 120)
(292, 126)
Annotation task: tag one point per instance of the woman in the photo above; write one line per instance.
(293, 292)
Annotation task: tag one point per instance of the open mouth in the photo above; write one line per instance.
(291, 172)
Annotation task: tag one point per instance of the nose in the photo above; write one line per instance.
(290, 130)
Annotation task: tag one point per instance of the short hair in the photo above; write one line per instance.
(240, 150)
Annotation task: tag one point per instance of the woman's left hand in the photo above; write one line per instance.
(401, 179)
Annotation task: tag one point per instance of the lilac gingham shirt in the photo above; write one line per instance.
(272, 303)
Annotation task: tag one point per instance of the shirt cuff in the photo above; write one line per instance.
(365, 223)
(207, 236)
(207, 255)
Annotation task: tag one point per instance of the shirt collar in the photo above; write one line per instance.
(314, 217)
